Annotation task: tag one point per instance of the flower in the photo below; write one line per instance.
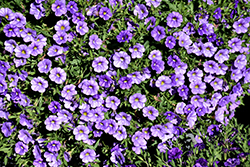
(163, 83)
(19, 20)
(112, 102)
(137, 100)
(22, 51)
(213, 130)
(36, 48)
(158, 33)
(60, 37)
(95, 42)
(44, 66)
(120, 133)
(68, 91)
(82, 27)
(123, 119)
(121, 60)
(152, 21)
(9, 30)
(140, 11)
(88, 155)
(150, 112)
(105, 13)
(222, 55)
(174, 19)
(240, 61)
(174, 153)
(100, 64)
(55, 50)
(232, 162)
(123, 36)
(52, 123)
(198, 87)
(210, 66)
(62, 25)
(59, 8)
(72, 7)
(155, 3)
(7, 14)
(208, 49)
(81, 132)
(155, 54)
(78, 17)
(241, 26)
(6, 129)
(57, 75)
(170, 42)
(191, 118)
(117, 157)
(137, 51)
(39, 84)
(37, 10)
(201, 162)
(25, 136)
(158, 65)
(217, 84)
(54, 146)
(89, 87)
(21, 148)
(39, 162)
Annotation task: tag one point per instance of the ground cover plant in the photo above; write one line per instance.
(123, 83)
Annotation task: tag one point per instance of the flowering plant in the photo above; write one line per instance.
(123, 83)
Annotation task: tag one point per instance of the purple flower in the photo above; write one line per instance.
(232, 162)
(105, 13)
(7, 14)
(57, 75)
(52, 123)
(88, 155)
(9, 30)
(62, 25)
(173, 61)
(81, 132)
(100, 64)
(50, 156)
(222, 55)
(111, 127)
(54, 107)
(44, 66)
(39, 162)
(217, 84)
(39, 84)
(123, 36)
(241, 26)
(112, 102)
(138, 139)
(152, 21)
(170, 42)
(136, 77)
(240, 61)
(155, 3)
(89, 87)
(121, 60)
(105, 81)
(201, 162)
(158, 65)
(25, 136)
(158, 33)
(35, 48)
(117, 157)
(180, 68)
(22, 51)
(123, 119)
(184, 41)
(68, 91)
(72, 7)
(155, 54)
(137, 51)
(59, 8)
(54, 146)
(163, 83)
(150, 112)
(235, 44)
(180, 107)
(213, 130)
(10, 45)
(19, 20)
(95, 42)
(60, 37)
(189, 29)
(210, 67)
(78, 17)
(174, 153)
(174, 19)
(198, 87)
(82, 27)
(137, 100)
(55, 50)
(6, 129)
(21, 148)
(120, 133)
(37, 10)
(208, 49)
(140, 11)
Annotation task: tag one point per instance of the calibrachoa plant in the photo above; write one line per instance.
(123, 83)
